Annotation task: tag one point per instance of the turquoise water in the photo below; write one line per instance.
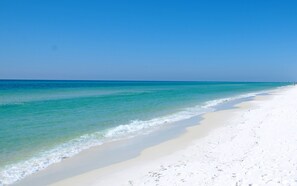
(43, 122)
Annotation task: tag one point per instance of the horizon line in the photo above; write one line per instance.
(115, 80)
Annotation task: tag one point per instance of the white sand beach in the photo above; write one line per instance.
(253, 144)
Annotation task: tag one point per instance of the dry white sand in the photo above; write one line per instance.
(255, 144)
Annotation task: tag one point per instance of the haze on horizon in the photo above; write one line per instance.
(149, 40)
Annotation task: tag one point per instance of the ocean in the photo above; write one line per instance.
(44, 122)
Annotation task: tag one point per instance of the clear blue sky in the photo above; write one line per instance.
(240, 40)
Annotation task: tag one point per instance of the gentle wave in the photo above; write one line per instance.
(18, 171)
(216, 102)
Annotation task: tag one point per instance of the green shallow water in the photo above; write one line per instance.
(38, 117)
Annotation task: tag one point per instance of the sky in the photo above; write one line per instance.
(202, 40)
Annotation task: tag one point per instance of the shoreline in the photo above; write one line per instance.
(151, 153)
(166, 149)
(157, 157)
